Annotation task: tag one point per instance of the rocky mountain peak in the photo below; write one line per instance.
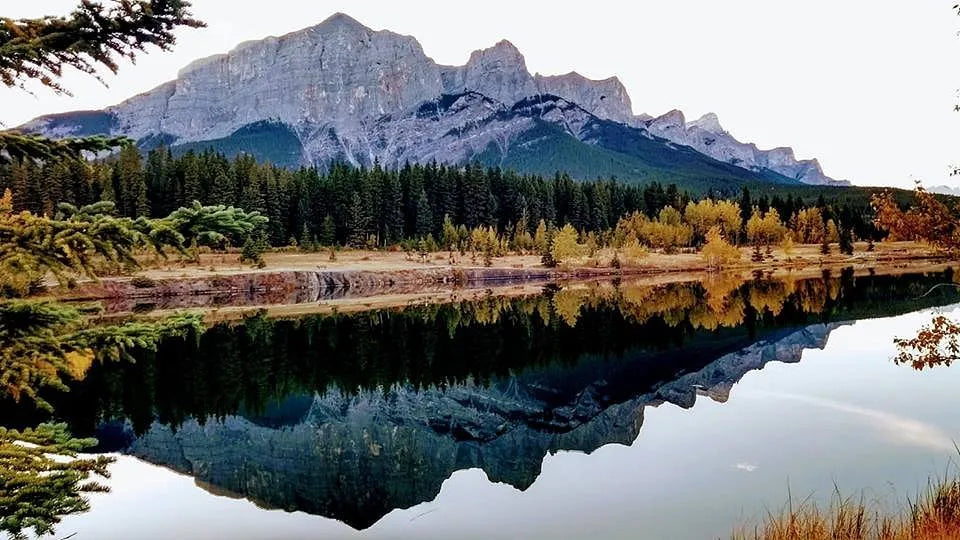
(708, 122)
(503, 54)
(606, 98)
(781, 154)
(671, 121)
(499, 72)
(340, 20)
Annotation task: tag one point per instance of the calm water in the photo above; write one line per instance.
(600, 411)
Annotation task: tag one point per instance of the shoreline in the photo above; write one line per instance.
(371, 280)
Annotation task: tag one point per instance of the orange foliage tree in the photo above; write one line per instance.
(928, 220)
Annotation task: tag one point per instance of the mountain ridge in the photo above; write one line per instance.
(337, 85)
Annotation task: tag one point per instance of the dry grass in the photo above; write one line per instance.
(887, 253)
(934, 515)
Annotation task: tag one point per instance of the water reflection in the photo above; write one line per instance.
(351, 416)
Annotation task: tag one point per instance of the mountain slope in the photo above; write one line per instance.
(707, 136)
(562, 132)
(341, 91)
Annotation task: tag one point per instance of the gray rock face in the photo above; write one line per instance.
(945, 190)
(499, 72)
(707, 136)
(335, 74)
(355, 458)
(606, 98)
(354, 94)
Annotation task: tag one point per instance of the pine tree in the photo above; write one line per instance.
(450, 238)
(214, 226)
(251, 194)
(130, 183)
(392, 209)
(846, 240)
(190, 185)
(328, 233)
(306, 239)
(546, 249)
(56, 179)
(357, 222)
(222, 189)
(41, 478)
(475, 197)
(272, 207)
(254, 247)
(81, 183)
(157, 177)
(424, 221)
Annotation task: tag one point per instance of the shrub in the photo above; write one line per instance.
(633, 252)
(787, 245)
(717, 252)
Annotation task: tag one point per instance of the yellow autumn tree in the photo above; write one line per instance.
(808, 226)
(565, 246)
(717, 252)
(765, 229)
(707, 214)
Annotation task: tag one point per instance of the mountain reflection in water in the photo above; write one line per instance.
(352, 416)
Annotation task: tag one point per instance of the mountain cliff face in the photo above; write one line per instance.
(349, 93)
(707, 136)
(357, 457)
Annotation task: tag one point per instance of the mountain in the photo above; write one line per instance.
(706, 135)
(945, 190)
(341, 91)
(356, 457)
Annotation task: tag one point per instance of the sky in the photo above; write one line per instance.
(865, 86)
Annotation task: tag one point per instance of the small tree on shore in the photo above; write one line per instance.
(787, 244)
(564, 246)
(253, 249)
(717, 252)
(846, 241)
(546, 245)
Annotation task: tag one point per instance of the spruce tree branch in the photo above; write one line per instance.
(17, 146)
(92, 36)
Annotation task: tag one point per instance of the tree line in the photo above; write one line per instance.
(375, 207)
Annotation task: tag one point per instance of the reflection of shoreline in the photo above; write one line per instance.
(357, 458)
(308, 293)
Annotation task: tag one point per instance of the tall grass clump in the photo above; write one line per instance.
(933, 515)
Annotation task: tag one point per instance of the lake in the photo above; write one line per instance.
(597, 410)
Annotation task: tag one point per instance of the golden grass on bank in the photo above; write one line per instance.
(934, 515)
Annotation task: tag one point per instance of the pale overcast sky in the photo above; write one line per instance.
(865, 86)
